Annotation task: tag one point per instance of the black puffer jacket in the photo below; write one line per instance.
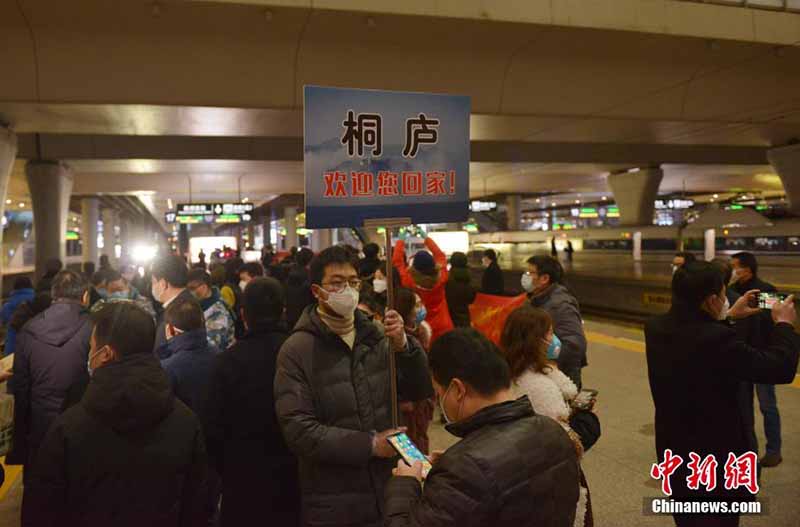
(330, 399)
(298, 294)
(513, 468)
(129, 454)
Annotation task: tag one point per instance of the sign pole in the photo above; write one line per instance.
(388, 224)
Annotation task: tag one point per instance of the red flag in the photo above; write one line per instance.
(489, 313)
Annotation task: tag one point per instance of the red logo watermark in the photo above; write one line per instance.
(739, 471)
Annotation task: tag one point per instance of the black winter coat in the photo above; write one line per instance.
(513, 468)
(330, 400)
(460, 294)
(50, 357)
(695, 365)
(245, 444)
(129, 455)
(161, 334)
(492, 282)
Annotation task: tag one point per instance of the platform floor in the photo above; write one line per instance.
(617, 468)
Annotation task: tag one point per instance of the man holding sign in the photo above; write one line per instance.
(333, 396)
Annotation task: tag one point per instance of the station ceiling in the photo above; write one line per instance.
(208, 95)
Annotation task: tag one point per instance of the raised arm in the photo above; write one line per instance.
(438, 256)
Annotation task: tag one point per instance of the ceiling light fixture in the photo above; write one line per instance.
(633, 170)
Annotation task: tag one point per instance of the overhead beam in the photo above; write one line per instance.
(73, 147)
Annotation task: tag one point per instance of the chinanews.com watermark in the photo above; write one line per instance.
(661, 505)
(737, 472)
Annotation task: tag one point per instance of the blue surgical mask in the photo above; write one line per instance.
(102, 291)
(421, 314)
(554, 348)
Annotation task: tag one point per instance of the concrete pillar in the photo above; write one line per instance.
(637, 246)
(8, 153)
(90, 213)
(513, 212)
(251, 235)
(321, 239)
(786, 162)
(183, 239)
(110, 219)
(710, 244)
(50, 186)
(635, 194)
(125, 238)
(290, 222)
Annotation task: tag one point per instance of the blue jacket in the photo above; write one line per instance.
(17, 297)
(188, 363)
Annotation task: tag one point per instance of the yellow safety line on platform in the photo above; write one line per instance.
(637, 346)
(12, 473)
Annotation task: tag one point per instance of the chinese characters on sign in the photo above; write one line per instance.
(739, 472)
(375, 154)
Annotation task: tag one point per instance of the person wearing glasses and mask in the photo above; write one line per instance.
(511, 467)
(333, 396)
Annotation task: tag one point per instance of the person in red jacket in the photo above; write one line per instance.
(427, 277)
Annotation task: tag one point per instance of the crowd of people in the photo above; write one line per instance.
(217, 394)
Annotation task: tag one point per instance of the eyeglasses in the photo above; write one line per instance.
(337, 286)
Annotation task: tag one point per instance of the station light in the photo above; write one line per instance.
(144, 253)
(604, 198)
(716, 196)
(633, 170)
(577, 202)
(22, 204)
(8, 202)
(553, 204)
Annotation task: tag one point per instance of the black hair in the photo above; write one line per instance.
(304, 257)
(468, 355)
(747, 260)
(693, 283)
(22, 282)
(52, 266)
(171, 268)
(254, 269)
(490, 254)
(112, 275)
(405, 302)
(98, 277)
(372, 301)
(263, 300)
(371, 250)
(547, 265)
(332, 255)
(199, 275)
(104, 261)
(232, 267)
(459, 260)
(186, 316)
(116, 322)
(88, 268)
(687, 257)
(68, 285)
(725, 269)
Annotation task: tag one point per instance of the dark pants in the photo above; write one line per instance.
(768, 403)
(574, 374)
(691, 520)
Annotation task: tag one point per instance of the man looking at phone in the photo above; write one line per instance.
(333, 397)
(695, 367)
(512, 467)
(745, 278)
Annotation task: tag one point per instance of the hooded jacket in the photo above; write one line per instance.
(512, 468)
(129, 454)
(431, 289)
(330, 400)
(50, 356)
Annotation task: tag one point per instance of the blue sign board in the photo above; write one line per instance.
(372, 154)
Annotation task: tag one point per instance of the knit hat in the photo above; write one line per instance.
(423, 262)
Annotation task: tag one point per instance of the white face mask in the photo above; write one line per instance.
(674, 268)
(723, 314)
(735, 276)
(527, 283)
(344, 302)
(242, 284)
(379, 285)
